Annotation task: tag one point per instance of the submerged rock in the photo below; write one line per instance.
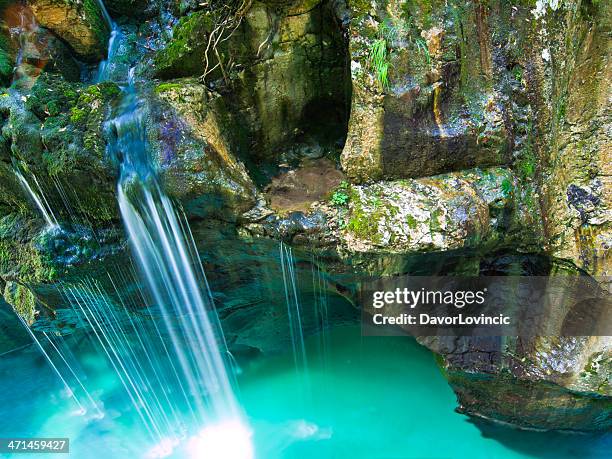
(536, 383)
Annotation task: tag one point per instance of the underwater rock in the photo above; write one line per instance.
(80, 23)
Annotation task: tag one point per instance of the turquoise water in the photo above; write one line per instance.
(363, 398)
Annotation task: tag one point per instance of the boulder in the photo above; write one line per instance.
(194, 151)
(80, 23)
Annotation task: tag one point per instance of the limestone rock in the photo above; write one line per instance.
(80, 23)
(194, 153)
(460, 210)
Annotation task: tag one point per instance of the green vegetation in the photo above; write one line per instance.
(506, 187)
(340, 197)
(378, 61)
(91, 9)
(526, 165)
(165, 87)
(380, 49)
(6, 60)
(411, 222)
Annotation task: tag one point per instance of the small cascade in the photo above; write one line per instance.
(294, 312)
(174, 282)
(106, 66)
(105, 14)
(171, 359)
(40, 201)
(321, 309)
(21, 33)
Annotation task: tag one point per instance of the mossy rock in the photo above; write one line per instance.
(185, 54)
(22, 300)
(80, 23)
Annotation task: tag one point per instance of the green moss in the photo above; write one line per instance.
(434, 222)
(165, 87)
(360, 7)
(184, 55)
(18, 259)
(77, 115)
(22, 299)
(411, 222)
(96, 20)
(364, 224)
(506, 187)
(7, 60)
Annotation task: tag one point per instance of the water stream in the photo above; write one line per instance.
(41, 202)
(176, 283)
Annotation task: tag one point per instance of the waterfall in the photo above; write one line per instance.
(105, 14)
(294, 313)
(40, 201)
(105, 67)
(174, 279)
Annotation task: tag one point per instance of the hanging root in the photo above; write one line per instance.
(227, 16)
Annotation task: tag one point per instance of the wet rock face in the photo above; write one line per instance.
(282, 71)
(576, 129)
(80, 23)
(55, 137)
(194, 152)
(431, 90)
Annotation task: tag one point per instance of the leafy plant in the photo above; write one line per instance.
(506, 187)
(422, 47)
(378, 55)
(340, 196)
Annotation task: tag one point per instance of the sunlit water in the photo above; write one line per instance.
(367, 398)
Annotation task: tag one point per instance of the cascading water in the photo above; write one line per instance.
(166, 257)
(40, 201)
(294, 314)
